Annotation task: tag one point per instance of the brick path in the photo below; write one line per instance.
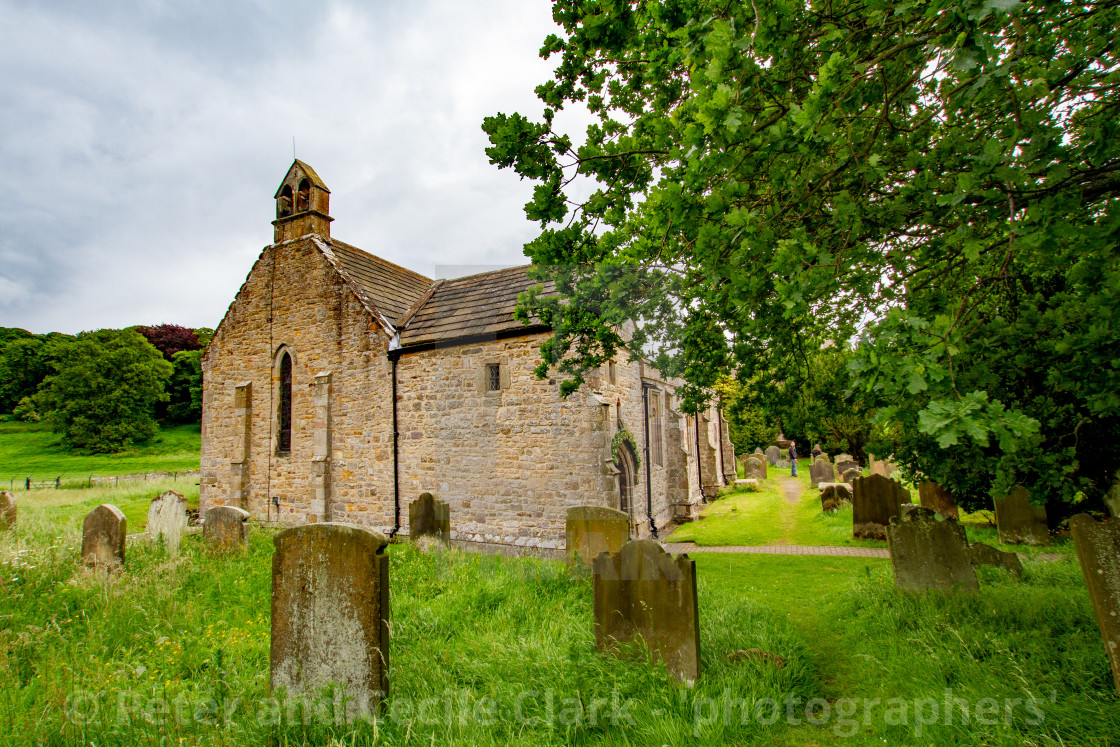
(850, 552)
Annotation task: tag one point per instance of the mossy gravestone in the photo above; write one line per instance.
(875, 501)
(821, 471)
(225, 529)
(1021, 522)
(330, 612)
(1098, 550)
(833, 495)
(9, 513)
(773, 454)
(429, 517)
(754, 467)
(591, 530)
(167, 518)
(981, 554)
(936, 498)
(103, 536)
(642, 593)
(929, 552)
(845, 463)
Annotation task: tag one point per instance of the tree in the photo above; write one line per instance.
(938, 180)
(102, 394)
(25, 360)
(184, 390)
(170, 339)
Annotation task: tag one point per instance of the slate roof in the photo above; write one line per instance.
(387, 287)
(480, 304)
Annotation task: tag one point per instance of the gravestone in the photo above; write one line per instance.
(754, 467)
(1021, 522)
(103, 536)
(1112, 497)
(591, 530)
(821, 471)
(1098, 550)
(835, 494)
(760, 452)
(773, 454)
(750, 484)
(225, 529)
(936, 498)
(645, 594)
(981, 554)
(843, 465)
(882, 467)
(850, 475)
(167, 518)
(428, 516)
(929, 552)
(330, 613)
(9, 512)
(875, 501)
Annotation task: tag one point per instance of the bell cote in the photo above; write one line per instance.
(302, 204)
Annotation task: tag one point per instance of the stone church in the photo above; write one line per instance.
(340, 386)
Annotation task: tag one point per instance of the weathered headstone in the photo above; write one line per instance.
(875, 501)
(843, 465)
(834, 494)
(1021, 522)
(760, 452)
(750, 484)
(591, 530)
(844, 457)
(929, 552)
(754, 467)
(882, 467)
(225, 529)
(9, 512)
(981, 554)
(1098, 550)
(167, 518)
(936, 498)
(773, 454)
(428, 516)
(103, 536)
(644, 593)
(330, 613)
(850, 475)
(821, 471)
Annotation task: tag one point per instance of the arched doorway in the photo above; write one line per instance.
(626, 474)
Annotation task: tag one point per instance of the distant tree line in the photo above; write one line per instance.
(106, 389)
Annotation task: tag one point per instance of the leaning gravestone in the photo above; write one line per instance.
(981, 554)
(591, 530)
(875, 501)
(928, 552)
(225, 529)
(103, 536)
(428, 516)
(1098, 550)
(936, 498)
(9, 513)
(754, 467)
(773, 454)
(330, 613)
(167, 518)
(834, 494)
(821, 471)
(1021, 522)
(644, 594)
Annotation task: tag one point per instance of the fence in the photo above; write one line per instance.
(73, 479)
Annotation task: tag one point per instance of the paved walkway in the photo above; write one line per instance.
(849, 552)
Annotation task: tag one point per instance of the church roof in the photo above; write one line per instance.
(480, 304)
(387, 287)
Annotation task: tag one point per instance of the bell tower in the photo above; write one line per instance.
(302, 204)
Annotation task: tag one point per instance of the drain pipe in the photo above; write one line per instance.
(396, 456)
(649, 488)
(699, 460)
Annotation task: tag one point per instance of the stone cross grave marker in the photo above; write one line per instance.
(1021, 522)
(928, 552)
(428, 516)
(754, 467)
(773, 454)
(9, 512)
(591, 530)
(821, 471)
(644, 593)
(225, 529)
(1098, 550)
(103, 536)
(330, 613)
(167, 518)
(875, 501)
(936, 498)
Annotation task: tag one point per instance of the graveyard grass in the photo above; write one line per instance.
(32, 449)
(467, 630)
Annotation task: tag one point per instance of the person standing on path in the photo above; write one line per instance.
(793, 458)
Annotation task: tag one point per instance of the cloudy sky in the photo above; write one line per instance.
(141, 143)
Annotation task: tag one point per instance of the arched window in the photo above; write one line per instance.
(284, 444)
(626, 473)
(284, 202)
(303, 198)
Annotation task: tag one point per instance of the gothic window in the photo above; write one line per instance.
(284, 202)
(655, 426)
(303, 199)
(494, 373)
(626, 475)
(284, 444)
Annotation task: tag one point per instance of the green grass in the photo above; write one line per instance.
(32, 449)
(49, 512)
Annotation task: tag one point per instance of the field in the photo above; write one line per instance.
(500, 651)
(32, 449)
